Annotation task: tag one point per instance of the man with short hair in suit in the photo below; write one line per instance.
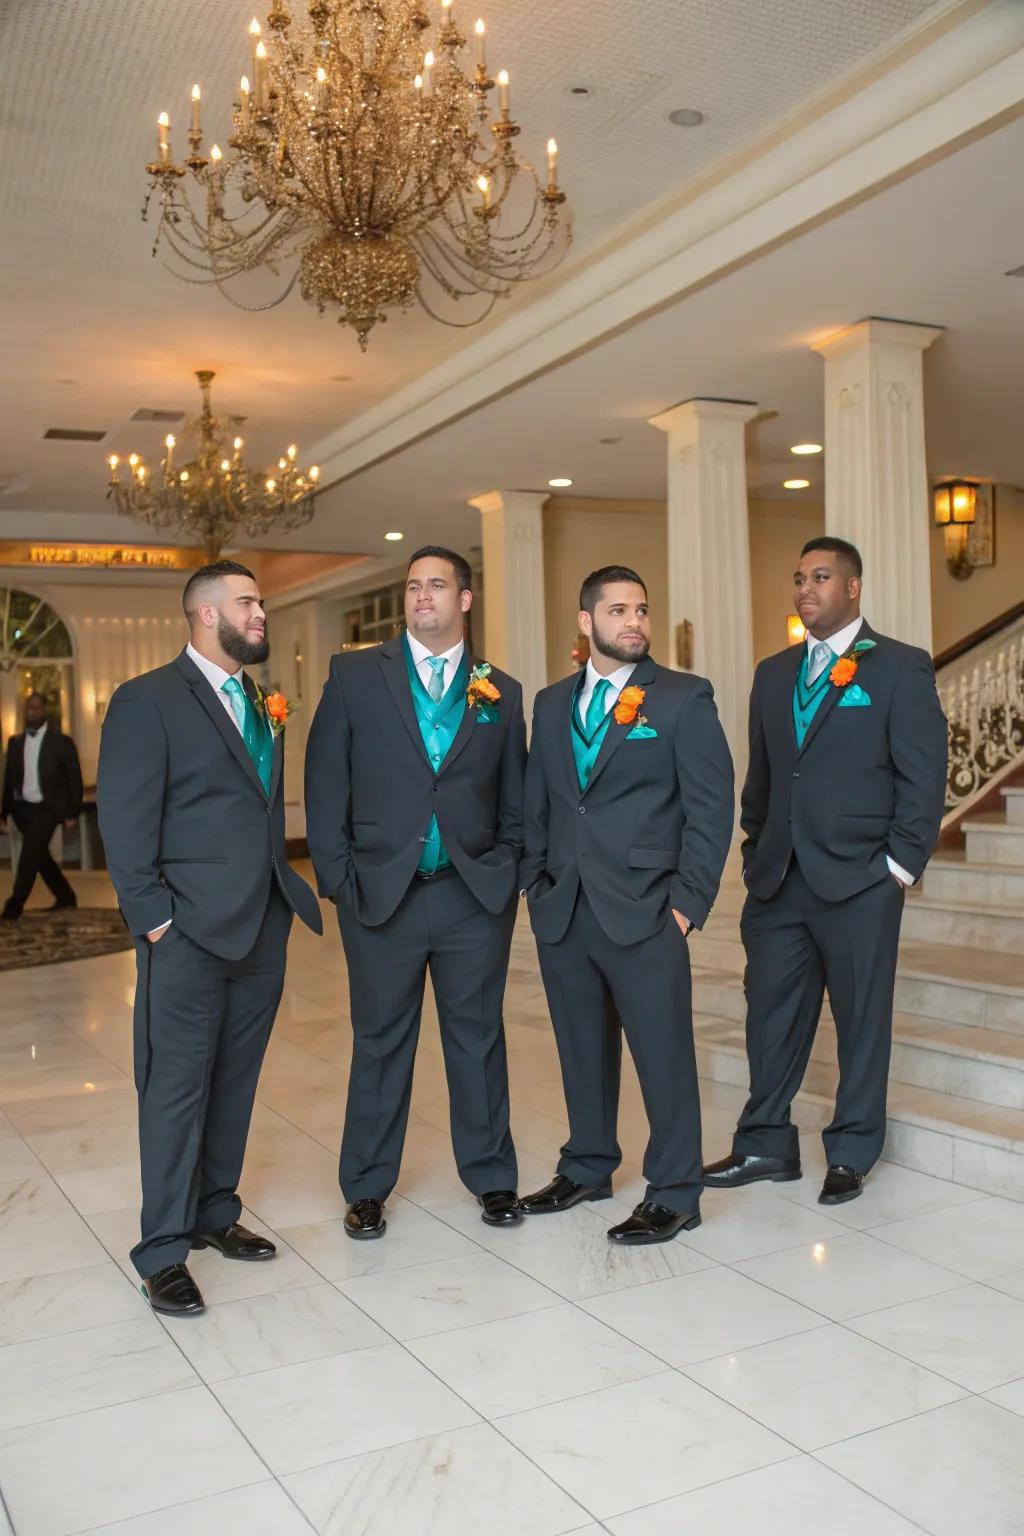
(191, 803)
(414, 809)
(42, 788)
(840, 810)
(629, 815)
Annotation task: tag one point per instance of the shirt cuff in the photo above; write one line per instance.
(162, 929)
(899, 871)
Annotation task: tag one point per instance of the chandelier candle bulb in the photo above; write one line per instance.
(314, 473)
(481, 44)
(169, 461)
(113, 469)
(163, 125)
(321, 88)
(485, 191)
(243, 102)
(215, 154)
(552, 163)
(503, 90)
(196, 108)
(428, 66)
(254, 38)
(261, 75)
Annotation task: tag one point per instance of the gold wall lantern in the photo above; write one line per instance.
(955, 504)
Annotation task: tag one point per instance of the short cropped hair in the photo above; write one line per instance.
(847, 554)
(199, 583)
(595, 583)
(458, 563)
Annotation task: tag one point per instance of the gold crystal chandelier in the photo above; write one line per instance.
(365, 168)
(214, 497)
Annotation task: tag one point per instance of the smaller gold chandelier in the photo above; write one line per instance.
(214, 497)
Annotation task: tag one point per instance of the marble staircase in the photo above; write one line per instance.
(956, 1100)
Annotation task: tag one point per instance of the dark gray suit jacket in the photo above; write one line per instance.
(869, 780)
(188, 831)
(653, 826)
(371, 791)
(60, 775)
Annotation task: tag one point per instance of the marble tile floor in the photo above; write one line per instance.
(782, 1369)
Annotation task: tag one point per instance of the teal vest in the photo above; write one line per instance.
(808, 700)
(439, 724)
(585, 753)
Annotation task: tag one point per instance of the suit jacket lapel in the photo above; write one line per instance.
(391, 657)
(643, 676)
(467, 725)
(568, 757)
(277, 764)
(215, 709)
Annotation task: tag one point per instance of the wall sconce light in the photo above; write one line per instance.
(795, 631)
(101, 711)
(955, 506)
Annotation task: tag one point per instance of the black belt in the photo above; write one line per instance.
(436, 874)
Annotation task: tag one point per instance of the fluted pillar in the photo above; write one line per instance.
(709, 553)
(876, 474)
(513, 557)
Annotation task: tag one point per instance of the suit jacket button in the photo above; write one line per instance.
(583, 810)
(796, 775)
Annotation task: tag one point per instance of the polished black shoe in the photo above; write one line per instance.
(561, 1195)
(652, 1223)
(236, 1242)
(732, 1172)
(840, 1184)
(500, 1208)
(364, 1219)
(10, 914)
(172, 1290)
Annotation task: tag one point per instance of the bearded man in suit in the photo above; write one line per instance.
(191, 805)
(840, 812)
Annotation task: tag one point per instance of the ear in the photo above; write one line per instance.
(207, 615)
(585, 622)
(466, 601)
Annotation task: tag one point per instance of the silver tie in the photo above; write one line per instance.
(820, 657)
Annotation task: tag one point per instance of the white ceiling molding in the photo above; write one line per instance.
(961, 83)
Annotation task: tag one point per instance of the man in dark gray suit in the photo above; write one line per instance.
(629, 814)
(191, 806)
(42, 788)
(414, 790)
(840, 810)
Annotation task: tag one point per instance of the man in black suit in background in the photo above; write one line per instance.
(841, 809)
(42, 788)
(191, 804)
(414, 810)
(629, 815)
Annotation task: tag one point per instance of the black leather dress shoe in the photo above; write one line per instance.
(652, 1223)
(10, 914)
(840, 1184)
(364, 1220)
(733, 1171)
(561, 1195)
(236, 1242)
(172, 1290)
(500, 1208)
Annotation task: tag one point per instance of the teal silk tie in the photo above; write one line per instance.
(435, 685)
(596, 709)
(255, 732)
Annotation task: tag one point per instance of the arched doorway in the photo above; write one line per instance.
(36, 656)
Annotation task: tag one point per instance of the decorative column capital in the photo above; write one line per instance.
(873, 331)
(702, 408)
(510, 501)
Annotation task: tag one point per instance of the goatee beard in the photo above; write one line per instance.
(622, 653)
(248, 653)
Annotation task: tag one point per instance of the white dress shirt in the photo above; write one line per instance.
(618, 680)
(217, 677)
(839, 644)
(421, 659)
(31, 789)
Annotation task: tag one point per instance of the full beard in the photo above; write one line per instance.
(248, 653)
(621, 653)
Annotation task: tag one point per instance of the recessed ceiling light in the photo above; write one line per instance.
(73, 435)
(393, 538)
(806, 448)
(795, 485)
(579, 90)
(559, 483)
(607, 441)
(686, 117)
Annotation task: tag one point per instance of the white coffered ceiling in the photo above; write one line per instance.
(94, 328)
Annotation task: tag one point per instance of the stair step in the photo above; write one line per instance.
(994, 885)
(993, 839)
(1014, 797)
(958, 985)
(970, 924)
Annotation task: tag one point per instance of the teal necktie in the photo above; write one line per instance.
(435, 684)
(596, 709)
(255, 732)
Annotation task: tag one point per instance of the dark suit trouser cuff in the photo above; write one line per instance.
(767, 1141)
(150, 1258)
(682, 1198)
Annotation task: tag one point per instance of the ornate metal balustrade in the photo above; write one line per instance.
(982, 694)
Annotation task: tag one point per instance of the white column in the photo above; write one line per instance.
(515, 633)
(709, 552)
(876, 474)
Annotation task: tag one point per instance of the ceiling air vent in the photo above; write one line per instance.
(73, 435)
(1014, 272)
(145, 414)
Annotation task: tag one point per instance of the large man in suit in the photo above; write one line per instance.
(414, 787)
(629, 814)
(191, 804)
(42, 788)
(840, 811)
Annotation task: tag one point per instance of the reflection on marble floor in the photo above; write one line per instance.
(782, 1369)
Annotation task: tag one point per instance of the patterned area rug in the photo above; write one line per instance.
(49, 938)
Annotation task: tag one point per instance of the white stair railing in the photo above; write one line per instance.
(982, 695)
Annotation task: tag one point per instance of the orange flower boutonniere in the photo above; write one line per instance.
(481, 690)
(275, 709)
(844, 671)
(629, 702)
